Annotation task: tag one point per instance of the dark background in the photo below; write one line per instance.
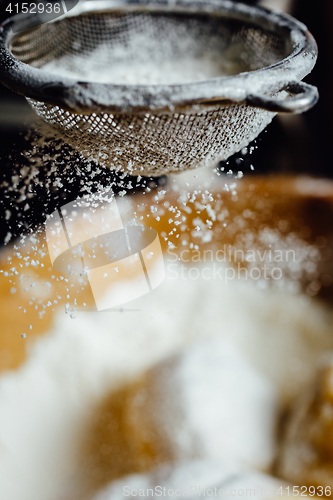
(296, 144)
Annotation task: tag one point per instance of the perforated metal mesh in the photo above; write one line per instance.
(156, 142)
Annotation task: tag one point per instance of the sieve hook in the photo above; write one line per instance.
(303, 97)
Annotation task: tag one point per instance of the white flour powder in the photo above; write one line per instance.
(168, 72)
(47, 405)
(143, 60)
(199, 478)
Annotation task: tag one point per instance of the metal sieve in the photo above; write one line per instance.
(153, 129)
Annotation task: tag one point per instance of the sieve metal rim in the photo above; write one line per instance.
(253, 88)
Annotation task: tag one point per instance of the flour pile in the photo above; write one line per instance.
(198, 478)
(47, 406)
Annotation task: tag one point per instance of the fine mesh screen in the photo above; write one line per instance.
(158, 144)
(153, 48)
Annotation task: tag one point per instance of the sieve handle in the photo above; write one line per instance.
(304, 97)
